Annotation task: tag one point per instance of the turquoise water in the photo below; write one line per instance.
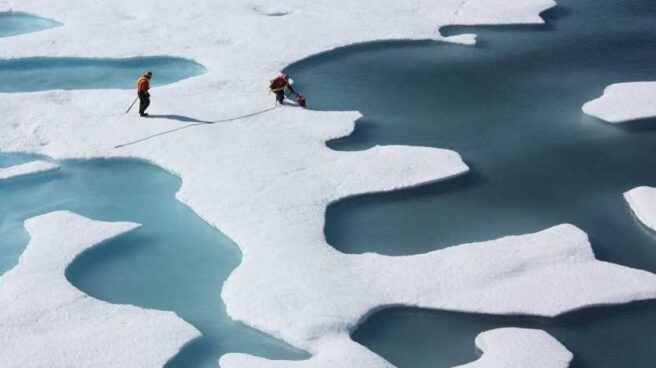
(12, 160)
(15, 23)
(41, 74)
(511, 106)
(174, 262)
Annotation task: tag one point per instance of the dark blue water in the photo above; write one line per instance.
(41, 74)
(511, 106)
(174, 262)
(607, 337)
(15, 23)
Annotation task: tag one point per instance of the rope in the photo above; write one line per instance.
(195, 124)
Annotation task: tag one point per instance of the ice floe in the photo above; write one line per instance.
(517, 347)
(624, 102)
(642, 201)
(46, 322)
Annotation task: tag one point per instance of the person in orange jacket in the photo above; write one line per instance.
(143, 85)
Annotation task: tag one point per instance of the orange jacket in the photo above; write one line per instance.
(143, 84)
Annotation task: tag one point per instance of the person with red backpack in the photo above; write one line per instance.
(143, 85)
(282, 83)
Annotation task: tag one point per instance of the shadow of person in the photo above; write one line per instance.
(184, 119)
(194, 122)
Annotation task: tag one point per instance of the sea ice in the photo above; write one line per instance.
(517, 347)
(642, 201)
(624, 102)
(477, 12)
(29, 168)
(267, 179)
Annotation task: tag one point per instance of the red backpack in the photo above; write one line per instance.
(278, 83)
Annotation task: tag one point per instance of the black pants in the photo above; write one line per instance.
(144, 102)
(280, 96)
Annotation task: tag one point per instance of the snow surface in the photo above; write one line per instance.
(46, 322)
(29, 168)
(642, 201)
(517, 347)
(266, 180)
(476, 12)
(624, 102)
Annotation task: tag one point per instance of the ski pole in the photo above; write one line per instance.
(133, 102)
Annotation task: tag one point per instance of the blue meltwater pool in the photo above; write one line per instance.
(175, 262)
(16, 23)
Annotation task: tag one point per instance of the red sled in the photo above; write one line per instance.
(300, 100)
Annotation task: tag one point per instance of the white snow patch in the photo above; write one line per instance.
(624, 102)
(478, 12)
(464, 38)
(29, 168)
(517, 347)
(483, 12)
(46, 322)
(642, 201)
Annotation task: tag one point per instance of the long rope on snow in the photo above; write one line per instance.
(196, 124)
